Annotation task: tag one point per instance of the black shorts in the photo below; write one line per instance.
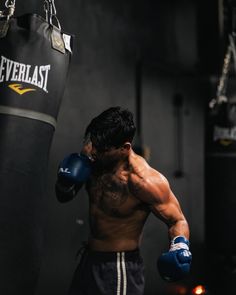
(109, 273)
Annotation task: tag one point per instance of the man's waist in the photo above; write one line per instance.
(103, 256)
(113, 245)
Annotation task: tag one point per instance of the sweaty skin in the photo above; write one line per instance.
(121, 197)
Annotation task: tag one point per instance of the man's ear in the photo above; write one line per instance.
(127, 146)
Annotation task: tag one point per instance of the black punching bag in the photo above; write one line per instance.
(35, 57)
(221, 177)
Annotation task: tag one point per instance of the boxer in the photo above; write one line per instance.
(123, 190)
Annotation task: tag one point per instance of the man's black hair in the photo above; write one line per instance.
(111, 128)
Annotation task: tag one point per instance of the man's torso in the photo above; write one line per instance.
(117, 216)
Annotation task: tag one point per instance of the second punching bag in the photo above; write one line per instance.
(34, 61)
(220, 178)
(221, 165)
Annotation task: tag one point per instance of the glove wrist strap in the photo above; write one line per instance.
(179, 242)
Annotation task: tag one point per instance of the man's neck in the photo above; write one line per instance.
(112, 166)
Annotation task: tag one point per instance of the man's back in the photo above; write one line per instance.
(117, 216)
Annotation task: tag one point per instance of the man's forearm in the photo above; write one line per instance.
(179, 228)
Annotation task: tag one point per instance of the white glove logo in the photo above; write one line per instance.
(66, 170)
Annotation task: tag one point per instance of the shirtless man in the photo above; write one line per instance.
(123, 190)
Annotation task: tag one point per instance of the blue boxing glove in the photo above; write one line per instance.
(175, 264)
(73, 171)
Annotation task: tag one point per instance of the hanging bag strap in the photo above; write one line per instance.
(59, 40)
(9, 11)
(230, 56)
(5, 16)
(49, 8)
(51, 13)
(228, 63)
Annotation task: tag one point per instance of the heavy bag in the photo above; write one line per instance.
(221, 178)
(35, 57)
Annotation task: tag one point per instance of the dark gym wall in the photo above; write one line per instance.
(109, 36)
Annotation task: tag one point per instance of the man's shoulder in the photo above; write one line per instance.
(144, 178)
(138, 163)
(140, 167)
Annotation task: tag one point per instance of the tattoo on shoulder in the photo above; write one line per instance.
(137, 186)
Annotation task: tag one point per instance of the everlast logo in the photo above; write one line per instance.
(13, 71)
(224, 135)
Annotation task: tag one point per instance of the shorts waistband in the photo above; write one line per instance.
(111, 256)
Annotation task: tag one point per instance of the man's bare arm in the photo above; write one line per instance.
(153, 188)
(166, 206)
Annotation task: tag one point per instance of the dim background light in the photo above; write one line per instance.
(199, 290)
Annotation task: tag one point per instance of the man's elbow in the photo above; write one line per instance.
(65, 193)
